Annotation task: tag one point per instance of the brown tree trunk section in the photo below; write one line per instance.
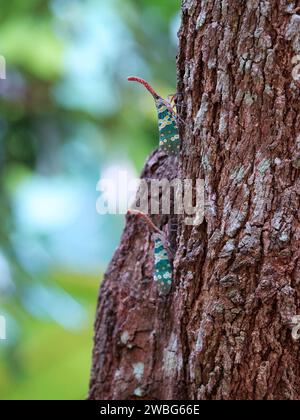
(222, 332)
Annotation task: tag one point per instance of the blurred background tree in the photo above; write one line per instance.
(68, 117)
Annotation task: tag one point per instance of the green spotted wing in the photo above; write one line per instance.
(168, 130)
(163, 268)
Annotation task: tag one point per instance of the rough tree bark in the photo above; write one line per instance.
(223, 331)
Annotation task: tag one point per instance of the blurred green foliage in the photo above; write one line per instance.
(67, 116)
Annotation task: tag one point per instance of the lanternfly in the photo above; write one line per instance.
(168, 130)
(163, 256)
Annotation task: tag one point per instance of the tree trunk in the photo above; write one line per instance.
(223, 332)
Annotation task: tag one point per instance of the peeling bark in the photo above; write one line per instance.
(223, 332)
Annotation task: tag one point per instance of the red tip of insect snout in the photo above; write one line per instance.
(144, 83)
(137, 79)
